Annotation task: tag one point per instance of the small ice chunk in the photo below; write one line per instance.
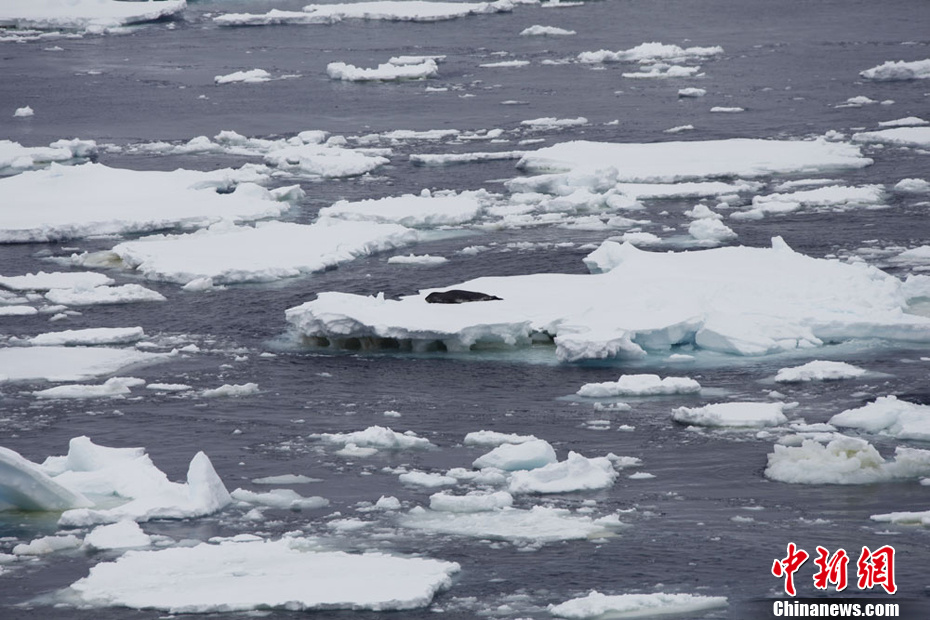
(819, 370)
(733, 414)
(47, 544)
(425, 479)
(376, 437)
(92, 336)
(113, 387)
(640, 385)
(287, 499)
(119, 535)
(23, 112)
(42, 281)
(545, 31)
(888, 416)
(475, 501)
(285, 479)
(899, 71)
(597, 605)
(493, 439)
(513, 457)
(230, 390)
(253, 76)
(691, 93)
(99, 295)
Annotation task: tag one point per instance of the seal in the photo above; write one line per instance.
(457, 296)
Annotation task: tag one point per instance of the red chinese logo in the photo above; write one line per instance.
(873, 568)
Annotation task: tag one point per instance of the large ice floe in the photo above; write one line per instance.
(843, 460)
(597, 605)
(93, 15)
(387, 10)
(229, 254)
(97, 484)
(289, 573)
(897, 136)
(70, 363)
(737, 300)
(819, 370)
(91, 199)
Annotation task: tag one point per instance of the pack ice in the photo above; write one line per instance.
(64, 202)
(290, 573)
(737, 300)
(98, 484)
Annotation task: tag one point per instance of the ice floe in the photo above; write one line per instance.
(47, 544)
(640, 385)
(230, 390)
(427, 210)
(538, 524)
(378, 437)
(120, 535)
(88, 337)
(55, 363)
(844, 460)
(733, 415)
(664, 70)
(691, 93)
(290, 573)
(512, 457)
(897, 136)
(505, 64)
(494, 438)
(576, 473)
(286, 499)
(388, 10)
(229, 254)
(113, 387)
(90, 481)
(889, 416)
(836, 197)
(423, 260)
(819, 370)
(23, 112)
(737, 300)
(912, 186)
(475, 501)
(545, 31)
(15, 157)
(551, 122)
(43, 281)
(252, 76)
(93, 15)
(650, 53)
(597, 605)
(899, 71)
(909, 121)
(91, 199)
(595, 163)
(98, 295)
(384, 72)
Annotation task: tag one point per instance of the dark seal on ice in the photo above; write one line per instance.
(456, 296)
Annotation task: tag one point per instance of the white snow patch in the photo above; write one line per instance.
(43, 281)
(23, 112)
(100, 295)
(475, 501)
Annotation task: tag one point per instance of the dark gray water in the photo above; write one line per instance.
(788, 63)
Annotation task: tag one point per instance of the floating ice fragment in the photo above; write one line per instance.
(114, 387)
(424, 479)
(384, 72)
(691, 93)
(492, 439)
(898, 136)
(504, 64)
(550, 122)
(43, 281)
(819, 370)
(250, 575)
(47, 544)
(95, 15)
(898, 71)
(754, 415)
(101, 295)
(25, 486)
(889, 416)
(23, 112)
(576, 473)
(511, 457)
(475, 501)
(87, 337)
(640, 385)
(597, 605)
(910, 121)
(70, 363)
(425, 260)
(280, 498)
(252, 76)
(388, 10)
(119, 535)
(230, 390)
(413, 211)
(545, 31)
(376, 437)
(844, 460)
(649, 53)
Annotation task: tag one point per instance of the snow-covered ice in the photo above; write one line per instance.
(15, 157)
(640, 385)
(98, 295)
(897, 136)
(545, 31)
(819, 370)
(42, 281)
(91, 199)
(505, 64)
(47, 544)
(492, 439)
(228, 254)
(475, 501)
(844, 460)
(120, 535)
(908, 121)
(732, 414)
(833, 196)
(423, 260)
(597, 605)
(427, 210)
(650, 53)
(737, 300)
(899, 71)
(286, 499)
(551, 122)
(290, 573)
(23, 112)
(56, 363)
(231, 390)
(889, 416)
